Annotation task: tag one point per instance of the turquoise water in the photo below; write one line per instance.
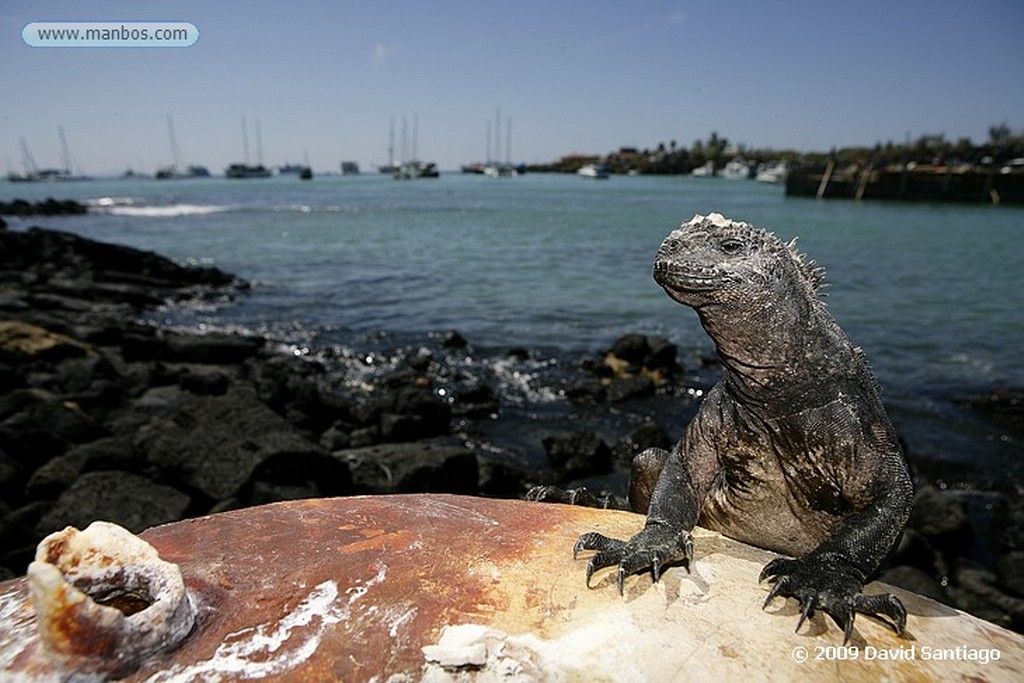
(932, 293)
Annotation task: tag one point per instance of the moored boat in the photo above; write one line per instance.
(413, 169)
(705, 171)
(247, 171)
(500, 170)
(772, 172)
(595, 171)
(737, 169)
(173, 173)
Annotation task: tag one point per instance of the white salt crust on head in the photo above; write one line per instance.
(715, 219)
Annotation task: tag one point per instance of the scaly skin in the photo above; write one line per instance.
(791, 451)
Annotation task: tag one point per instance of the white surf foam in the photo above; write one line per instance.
(170, 210)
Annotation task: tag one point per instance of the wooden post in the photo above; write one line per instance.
(827, 176)
(862, 186)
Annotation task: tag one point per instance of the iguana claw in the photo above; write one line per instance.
(826, 584)
(654, 548)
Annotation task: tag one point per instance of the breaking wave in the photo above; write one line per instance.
(129, 206)
(169, 211)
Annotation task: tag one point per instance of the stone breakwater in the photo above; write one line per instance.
(105, 417)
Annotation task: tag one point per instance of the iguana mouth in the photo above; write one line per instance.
(687, 276)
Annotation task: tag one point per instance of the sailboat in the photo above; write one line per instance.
(175, 171)
(499, 169)
(33, 174)
(392, 167)
(244, 170)
(413, 168)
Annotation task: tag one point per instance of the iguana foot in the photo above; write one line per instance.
(654, 548)
(828, 583)
(581, 497)
(553, 494)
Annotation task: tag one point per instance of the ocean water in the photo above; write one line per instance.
(562, 265)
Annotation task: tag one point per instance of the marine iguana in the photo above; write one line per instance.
(791, 451)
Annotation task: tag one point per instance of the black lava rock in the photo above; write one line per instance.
(215, 444)
(436, 466)
(134, 502)
(647, 435)
(577, 455)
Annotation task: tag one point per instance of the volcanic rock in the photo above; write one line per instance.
(578, 454)
(22, 343)
(439, 466)
(129, 500)
(49, 207)
(216, 444)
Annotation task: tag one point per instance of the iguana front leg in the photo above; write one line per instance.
(665, 539)
(831, 577)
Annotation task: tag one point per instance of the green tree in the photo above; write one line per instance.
(999, 136)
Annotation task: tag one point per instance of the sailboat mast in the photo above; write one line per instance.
(497, 135)
(245, 141)
(405, 139)
(259, 143)
(391, 144)
(175, 153)
(415, 135)
(66, 155)
(508, 141)
(27, 159)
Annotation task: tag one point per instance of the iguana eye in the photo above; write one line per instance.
(731, 246)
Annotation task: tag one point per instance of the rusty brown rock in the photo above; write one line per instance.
(23, 342)
(442, 587)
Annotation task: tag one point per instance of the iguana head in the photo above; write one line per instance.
(712, 259)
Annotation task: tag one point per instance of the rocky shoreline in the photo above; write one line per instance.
(103, 416)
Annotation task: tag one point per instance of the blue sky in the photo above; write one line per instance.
(327, 77)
